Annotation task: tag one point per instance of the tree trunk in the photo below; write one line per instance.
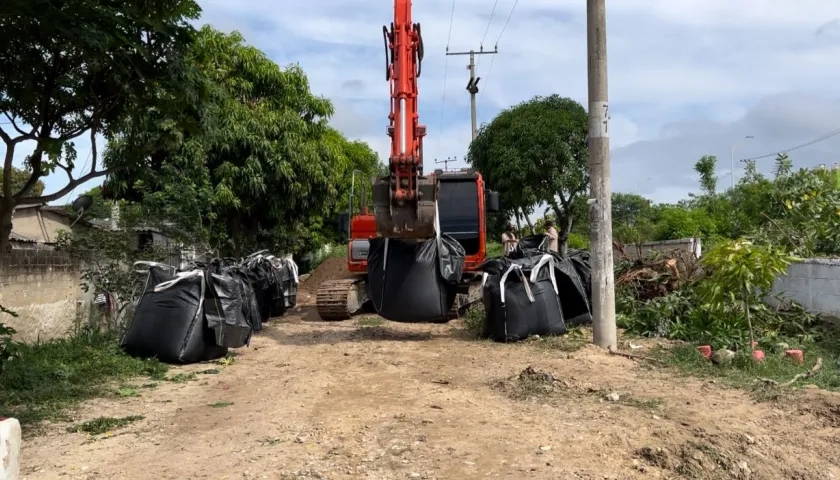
(518, 223)
(7, 207)
(563, 237)
(528, 221)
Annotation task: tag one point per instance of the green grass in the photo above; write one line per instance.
(101, 425)
(744, 372)
(47, 379)
(494, 249)
(370, 321)
(127, 391)
(220, 404)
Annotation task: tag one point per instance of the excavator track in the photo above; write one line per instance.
(340, 299)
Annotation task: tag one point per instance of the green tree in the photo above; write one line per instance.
(706, 168)
(536, 152)
(630, 208)
(101, 208)
(783, 166)
(82, 67)
(262, 169)
(19, 179)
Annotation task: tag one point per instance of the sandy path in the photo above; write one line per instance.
(343, 401)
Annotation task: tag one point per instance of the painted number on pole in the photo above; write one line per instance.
(599, 120)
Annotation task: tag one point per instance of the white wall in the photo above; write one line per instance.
(814, 283)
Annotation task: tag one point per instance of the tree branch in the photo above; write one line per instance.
(6, 138)
(23, 135)
(93, 152)
(35, 162)
(67, 189)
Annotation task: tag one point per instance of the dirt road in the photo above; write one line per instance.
(346, 401)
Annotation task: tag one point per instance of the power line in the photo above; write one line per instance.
(797, 147)
(512, 9)
(445, 71)
(486, 30)
(492, 60)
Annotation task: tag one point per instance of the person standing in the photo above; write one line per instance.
(509, 240)
(553, 236)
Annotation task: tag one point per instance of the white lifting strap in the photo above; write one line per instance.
(546, 260)
(518, 270)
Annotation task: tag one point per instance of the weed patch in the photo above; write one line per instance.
(46, 379)
(573, 341)
(127, 392)
(220, 404)
(745, 373)
(370, 321)
(474, 320)
(101, 425)
(182, 377)
(544, 386)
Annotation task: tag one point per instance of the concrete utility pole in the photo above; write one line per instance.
(600, 202)
(472, 85)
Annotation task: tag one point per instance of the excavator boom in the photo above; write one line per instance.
(404, 201)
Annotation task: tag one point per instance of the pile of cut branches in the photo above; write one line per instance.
(657, 275)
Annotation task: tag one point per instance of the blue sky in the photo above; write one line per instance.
(686, 78)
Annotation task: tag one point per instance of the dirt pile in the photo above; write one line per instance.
(333, 268)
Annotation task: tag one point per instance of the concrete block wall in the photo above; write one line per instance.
(814, 283)
(43, 288)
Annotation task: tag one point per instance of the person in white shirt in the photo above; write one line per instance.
(509, 240)
(552, 234)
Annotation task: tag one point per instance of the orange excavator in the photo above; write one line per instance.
(406, 202)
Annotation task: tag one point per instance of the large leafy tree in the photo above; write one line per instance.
(264, 166)
(536, 152)
(82, 67)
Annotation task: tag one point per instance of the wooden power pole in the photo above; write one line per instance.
(600, 201)
(472, 85)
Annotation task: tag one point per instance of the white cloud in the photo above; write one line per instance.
(686, 78)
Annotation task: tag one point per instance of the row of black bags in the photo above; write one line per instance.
(199, 313)
(535, 292)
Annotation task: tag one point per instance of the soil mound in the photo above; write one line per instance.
(332, 268)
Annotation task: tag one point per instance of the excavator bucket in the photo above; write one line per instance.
(411, 219)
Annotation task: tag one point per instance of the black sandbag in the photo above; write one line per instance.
(270, 298)
(224, 311)
(414, 282)
(290, 281)
(262, 281)
(169, 322)
(250, 308)
(580, 261)
(518, 305)
(536, 242)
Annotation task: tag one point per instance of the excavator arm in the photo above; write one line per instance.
(404, 201)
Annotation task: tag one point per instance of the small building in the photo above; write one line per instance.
(37, 226)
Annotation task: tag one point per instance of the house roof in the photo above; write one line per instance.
(20, 238)
(62, 211)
